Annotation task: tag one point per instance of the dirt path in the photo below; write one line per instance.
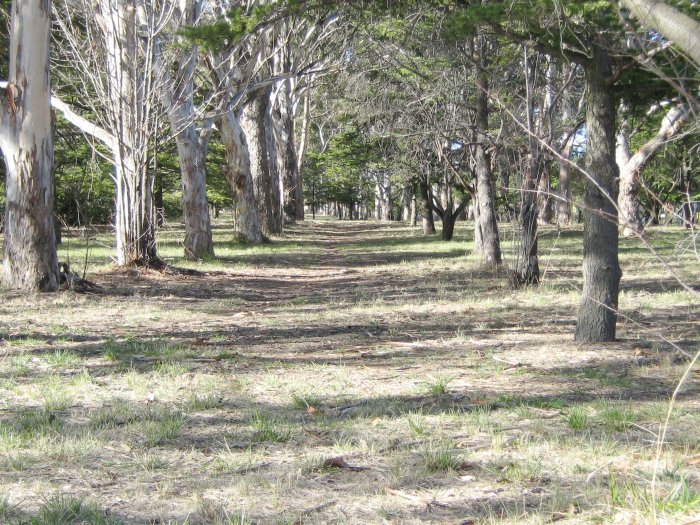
(222, 399)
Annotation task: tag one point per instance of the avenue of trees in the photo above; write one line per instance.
(533, 111)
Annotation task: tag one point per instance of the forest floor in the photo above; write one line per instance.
(351, 372)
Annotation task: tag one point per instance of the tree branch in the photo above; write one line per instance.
(681, 29)
(83, 124)
(460, 208)
(671, 126)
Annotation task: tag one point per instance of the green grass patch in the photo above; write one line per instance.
(269, 429)
(440, 457)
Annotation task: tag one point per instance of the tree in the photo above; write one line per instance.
(631, 165)
(26, 138)
(486, 239)
(176, 71)
(597, 317)
(112, 43)
(575, 34)
(672, 23)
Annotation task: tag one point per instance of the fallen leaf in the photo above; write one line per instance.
(694, 461)
(311, 410)
(339, 462)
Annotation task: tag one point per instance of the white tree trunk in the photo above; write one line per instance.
(681, 29)
(26, 139)
(631, 166)
(130, 93)
(301, 154)
(287, 154)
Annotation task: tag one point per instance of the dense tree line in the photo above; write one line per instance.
(530, 111)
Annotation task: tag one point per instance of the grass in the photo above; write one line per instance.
(186, 399)
(62, 358)
(577, 418)
(438, 386)
(68, 510)
(440, 457)
(269, 429)
(203, 402)
(617, 418)
(160, 425)
(117, 413)
(152, 462)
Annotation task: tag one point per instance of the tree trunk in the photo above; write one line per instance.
(449, 218)
(406, 199)
(544, 129)
(177, 96)
(527, 270)
(254, 124)
(564, 189)
(287, 155)
(26, 138)
(198, 237)
(544, 194)
(627, 200)
(565, 147)
(273, 156)
(428, 222)
(245, 213)
(631, 166)
(414, 208)
(490, 248)
(527, 263)
(129, 90)
(448, 226)
(478, 242)
(301, 154)
(601, 270)
(382, 198)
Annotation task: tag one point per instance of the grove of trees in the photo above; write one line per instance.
(529, 111)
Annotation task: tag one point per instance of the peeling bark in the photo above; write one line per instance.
(254, 123)
(237, 171)
(26, 138)
(177, 96)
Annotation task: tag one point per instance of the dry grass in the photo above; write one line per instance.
(449, 397)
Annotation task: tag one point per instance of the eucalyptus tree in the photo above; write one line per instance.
(111, 45)
(633, 163)
(659, 100)
(677, 26)
(175, 64)
(224, 38)
(26, 139)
